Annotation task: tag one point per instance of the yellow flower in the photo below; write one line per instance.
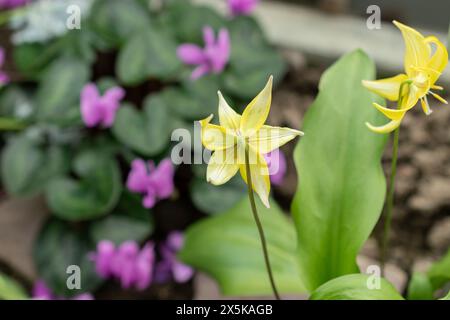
(237, 134)
(425, 59)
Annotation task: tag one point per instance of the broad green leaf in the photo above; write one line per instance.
(93, 194)
(27, 167)
(439, 272)
(10, 289)
(60, 246)
(129, 221)
(341, 183)
(420, 288)
(58, 93)
(215, 199)
(227, 247)
(355, 287)
(149, 53)
(115, 21)
(147, 131)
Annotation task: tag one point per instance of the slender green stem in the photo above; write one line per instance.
(389, 201)
(391, 190)
(259, 225)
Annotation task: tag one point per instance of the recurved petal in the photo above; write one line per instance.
(215, 137)
(259, 175)
(387, 88)
(393, 114)
(439, 59)
(227, 116)
(222, 166)
(417, 51)
(255, 114)
(270, 138)
(387, 128)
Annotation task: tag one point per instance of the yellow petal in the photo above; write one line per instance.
(260, 176)
(222, 166)
(391, 126)
(228, 118)
(270, 138)
(387, 88)
(255, 114)
(216, 137)
(412, 96)
(417, 52)
(393, 114)
(439, 59)
(425, 106)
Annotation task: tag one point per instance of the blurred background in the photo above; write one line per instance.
(303, 39)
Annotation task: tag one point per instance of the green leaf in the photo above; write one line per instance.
(27, 167)
(355, 287)
(150, 53)
(58, 94)
(147, 131)
(93, 195)
(195, 100)
(447, 297)
(215, 199)
(420, 287)
(341, 183)
(115, 21)
(58, 247)
(439, 272)
(187, 21)
(227, 247)
(15, 102)
(129, 221)
(247, 73)
(11, 289)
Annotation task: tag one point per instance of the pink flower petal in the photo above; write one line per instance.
(90, 112)
(162, 179)
(208, 36)
(190, 54)
(200, 71)
(138, 178)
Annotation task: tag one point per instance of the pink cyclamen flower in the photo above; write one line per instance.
(276, 161)
(4, 79)
(103, 258)
(42, 292)
(242, 7)
(212, 58)
(100, 110)
(155, 183)
(10, 4)
(170, 266)
(127, 263)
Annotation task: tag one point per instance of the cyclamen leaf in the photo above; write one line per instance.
(355, 287)
(227, 247)
(341, 187)
(93, 194)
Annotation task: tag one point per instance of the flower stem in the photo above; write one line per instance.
(391, 190)
(259, 225)
(389, 202)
